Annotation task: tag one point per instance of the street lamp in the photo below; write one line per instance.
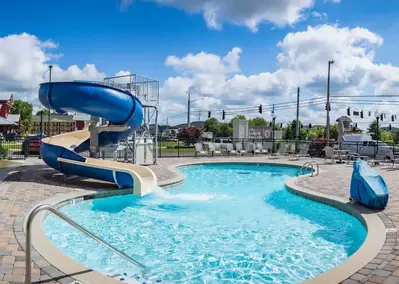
(377, 116)
(328, 107)
(273, 123)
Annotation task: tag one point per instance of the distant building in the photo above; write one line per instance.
(60, 123)
(8, 122)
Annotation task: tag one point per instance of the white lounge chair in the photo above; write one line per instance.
(261, 149)
(199, 151)
(329, 154)
(379, 158)
(252, 148)
(303, 152)
(240, 150)
(281, 151)
(230, 150)
(213, 150)
(391, 158)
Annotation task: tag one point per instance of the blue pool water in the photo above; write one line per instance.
(226, 224)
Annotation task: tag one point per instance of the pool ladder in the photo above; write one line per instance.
(28, 244)
(307, 165)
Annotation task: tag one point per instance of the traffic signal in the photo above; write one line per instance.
(382, 117)
(355, 125)
(361, 114)
(369, 113)
(260, 109)
(223, 115)
(271, 124)
(348, 111)
(310, 125)
(393, 118)
(390, 127)
(281, 125)
(209, 114)
(329, 107)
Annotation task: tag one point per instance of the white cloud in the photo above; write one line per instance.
(249, 13)
(319, 15)
(302, 61)
(24, 61)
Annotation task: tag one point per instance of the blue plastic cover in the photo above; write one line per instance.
(368, 187)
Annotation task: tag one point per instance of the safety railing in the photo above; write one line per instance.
(307, 165)
(28, 270)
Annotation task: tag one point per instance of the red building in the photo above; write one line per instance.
(8, 122)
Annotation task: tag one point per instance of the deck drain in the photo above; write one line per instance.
(76, 282)
(391, 230)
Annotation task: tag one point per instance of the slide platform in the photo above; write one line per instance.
(120, 108)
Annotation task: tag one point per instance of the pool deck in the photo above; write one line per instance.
(33, 182)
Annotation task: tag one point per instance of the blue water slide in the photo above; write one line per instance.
(119, 107)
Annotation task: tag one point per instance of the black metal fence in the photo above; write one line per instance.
(16, 148)
(186, 148)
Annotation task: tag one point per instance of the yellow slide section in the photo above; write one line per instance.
(144, 179)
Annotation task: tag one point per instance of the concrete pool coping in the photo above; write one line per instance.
(372, 245)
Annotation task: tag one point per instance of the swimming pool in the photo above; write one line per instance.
(227, 223)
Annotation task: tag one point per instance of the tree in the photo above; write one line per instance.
(290, 131)
(238, 117)
(375, 132)
(396, 137)
(190, 135)
(386, 136)
(212, 125)
(24, 109)
(225, 130)
(315, 132)
(257, 121)
(334, 132)
(46, 112)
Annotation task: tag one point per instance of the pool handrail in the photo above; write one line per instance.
(28, 243)
(307, 165)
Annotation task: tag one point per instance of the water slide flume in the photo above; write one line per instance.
(120, 108)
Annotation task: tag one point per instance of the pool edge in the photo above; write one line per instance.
(46, 249)
(371, 247)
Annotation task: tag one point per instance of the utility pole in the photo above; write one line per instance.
(297, 117)
(328, 101)
(49, 111)
(188, 109)
(273, 123)
(199, 116)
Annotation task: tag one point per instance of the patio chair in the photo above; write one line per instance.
(199, 151)
(240, 150)
(213, 150)
(329, 154)
(303, 152)
(252, 148)
(281, 151)
(261, 149)
(390, 158)
(380, 158)
(230, 150)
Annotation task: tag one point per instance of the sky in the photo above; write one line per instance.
(229, 54)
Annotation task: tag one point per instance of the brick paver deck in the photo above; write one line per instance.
(34, 182)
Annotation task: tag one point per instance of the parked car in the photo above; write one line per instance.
(32, 143)
(11, 136)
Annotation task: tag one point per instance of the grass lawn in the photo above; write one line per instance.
(166, 147)
(11, 145)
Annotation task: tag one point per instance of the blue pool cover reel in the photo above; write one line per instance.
(368, 187)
